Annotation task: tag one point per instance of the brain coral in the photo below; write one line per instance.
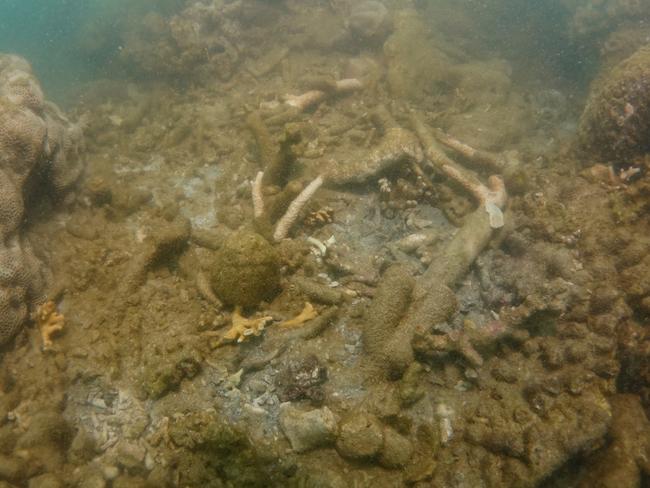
(615, 125)
(38, 144)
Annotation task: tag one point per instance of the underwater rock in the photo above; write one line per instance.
(46, 480)
(621, 462)
(397, 450)
(615, 125)
(415, 66)
(199, 41)
(12, 468)
(369, 21)
(307, 430)
(246, 270)
(165, 372)
(302, 379)
(361, 437)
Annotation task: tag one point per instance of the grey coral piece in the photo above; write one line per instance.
(38, 144)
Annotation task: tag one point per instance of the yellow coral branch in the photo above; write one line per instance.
(242, 328)
(49, 322)
(308, 313)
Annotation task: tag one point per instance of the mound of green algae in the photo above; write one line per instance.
(246, 270)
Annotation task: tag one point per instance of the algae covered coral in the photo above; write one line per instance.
(330, 243)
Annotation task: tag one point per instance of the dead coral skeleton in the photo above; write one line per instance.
(492, 197)
(284, 224)
(429, 299)
(296, 104)
(312, 97)
(49, 322)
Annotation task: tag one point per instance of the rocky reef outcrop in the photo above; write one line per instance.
(615, 124)
(40, 154)
(198, 41)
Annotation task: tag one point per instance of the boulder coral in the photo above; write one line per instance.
(40, 153)
(615, 125)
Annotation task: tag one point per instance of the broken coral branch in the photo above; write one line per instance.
(313, 97)
(291, 215)
(49, 322)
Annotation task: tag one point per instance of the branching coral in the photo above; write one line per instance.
(396, 146)
(291, 198)
(291, 215)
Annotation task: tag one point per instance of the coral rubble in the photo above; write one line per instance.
(394, 316)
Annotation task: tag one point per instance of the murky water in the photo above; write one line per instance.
(324, 243)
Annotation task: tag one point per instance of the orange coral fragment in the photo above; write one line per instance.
(49, 322)
(242, 328)
(308, 313)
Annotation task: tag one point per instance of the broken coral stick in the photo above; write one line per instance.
(492, 194)
(312, 97)
(291, 215)
(478, 156)
(258, 198)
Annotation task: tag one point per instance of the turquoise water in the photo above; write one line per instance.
(70, 41)
(44, 32)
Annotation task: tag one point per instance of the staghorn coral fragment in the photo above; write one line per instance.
(317, 292)
(49, 322)
(242, 328)
(312, 97)
(164, 244)
(491, 195)
(291, 215)
(294, 105)
(457, 341)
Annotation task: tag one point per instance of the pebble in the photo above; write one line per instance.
(397, 450)
(307, 430)
(361, 437)
(46, 480)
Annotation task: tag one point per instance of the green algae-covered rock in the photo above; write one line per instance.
(246, 270)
